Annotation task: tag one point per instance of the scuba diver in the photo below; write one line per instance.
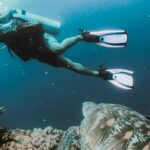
(29, 36)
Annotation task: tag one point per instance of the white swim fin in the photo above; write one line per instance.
(112, 38)
(122, 78)
(107, 38)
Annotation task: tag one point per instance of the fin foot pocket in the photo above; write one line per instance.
(121, 78)
(106, 38)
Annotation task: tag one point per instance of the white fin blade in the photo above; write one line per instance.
(119, 85)
(114, 38)
(103, 32)
(120, 70)
(111, 38)
(110, 46)
(124, 79)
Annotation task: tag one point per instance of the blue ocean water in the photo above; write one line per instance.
(38, 95)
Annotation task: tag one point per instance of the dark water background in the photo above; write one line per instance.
(38, 95)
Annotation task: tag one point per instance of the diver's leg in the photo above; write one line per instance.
(59, 48)
(76, 67)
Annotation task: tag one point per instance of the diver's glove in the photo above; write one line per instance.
(121, 78)
(89, 37)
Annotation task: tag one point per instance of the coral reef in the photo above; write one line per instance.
(36, 139)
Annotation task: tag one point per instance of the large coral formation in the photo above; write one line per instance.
(37, 139)
(2, 130)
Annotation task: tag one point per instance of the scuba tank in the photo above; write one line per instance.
(49, 25)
